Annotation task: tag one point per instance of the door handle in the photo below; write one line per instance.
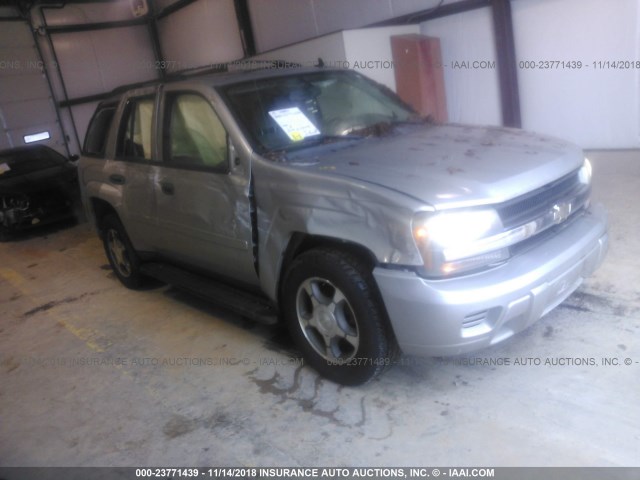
(167, 188)
(117, 179)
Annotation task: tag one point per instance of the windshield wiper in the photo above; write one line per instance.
(374, 130)
(385, 127)
(322, 140)
(279, 154)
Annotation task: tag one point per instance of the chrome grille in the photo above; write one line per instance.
(568, 192)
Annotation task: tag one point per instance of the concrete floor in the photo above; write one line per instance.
(93, 374)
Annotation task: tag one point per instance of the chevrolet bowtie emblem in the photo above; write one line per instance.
(561, 212)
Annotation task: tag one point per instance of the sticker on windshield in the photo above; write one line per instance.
(4, 168)
(294, 123)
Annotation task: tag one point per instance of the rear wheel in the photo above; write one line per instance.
(335, 316)
(122, 257)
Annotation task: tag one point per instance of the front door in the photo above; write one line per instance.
(202, 205)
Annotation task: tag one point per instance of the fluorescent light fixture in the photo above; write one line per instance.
(36, 137)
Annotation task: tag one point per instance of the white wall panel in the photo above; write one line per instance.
(26, 106)
(281, 22)
(82, 115)
(473, 94)
(594, 107)
(202, 33)
(333, 15)
(23, 87)
(98, 61)
(27, 112)
(277, 23)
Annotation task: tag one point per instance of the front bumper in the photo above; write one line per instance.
(459, 315)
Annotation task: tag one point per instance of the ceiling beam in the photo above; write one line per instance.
(441, 10)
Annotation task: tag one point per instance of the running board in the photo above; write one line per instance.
(248, 305)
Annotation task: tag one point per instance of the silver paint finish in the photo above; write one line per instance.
(454, 166)
(365, 194)
(464, 314)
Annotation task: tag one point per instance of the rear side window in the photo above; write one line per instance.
(95, 141)
(134, 135)
(195, 136)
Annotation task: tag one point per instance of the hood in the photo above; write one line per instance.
(38, 180)
(450, 166)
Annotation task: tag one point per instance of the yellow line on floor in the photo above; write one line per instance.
(15, 279)
(87, 335)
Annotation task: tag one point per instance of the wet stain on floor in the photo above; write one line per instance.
(178, 425)
(274, 386)
(55, 303)
(598, 304)
(10, 364)
(219, 421)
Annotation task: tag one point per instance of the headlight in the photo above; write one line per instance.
(455, 242)
(585, 172)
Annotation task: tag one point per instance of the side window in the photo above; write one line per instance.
(134, 136)
(194, 135)
(96, 138)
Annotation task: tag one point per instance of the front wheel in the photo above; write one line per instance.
(335, 316)
(122, 257)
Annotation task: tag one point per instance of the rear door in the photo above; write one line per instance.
(202, 203)
(135, 167)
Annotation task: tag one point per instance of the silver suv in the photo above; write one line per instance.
(317, 197)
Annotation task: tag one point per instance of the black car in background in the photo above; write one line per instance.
(37, 186)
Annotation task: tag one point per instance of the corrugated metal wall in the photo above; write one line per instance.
(26, 105)
(91, 48)
(280, 22)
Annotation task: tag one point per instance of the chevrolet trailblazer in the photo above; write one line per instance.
(316, 197)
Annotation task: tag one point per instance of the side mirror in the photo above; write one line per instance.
(74, 157)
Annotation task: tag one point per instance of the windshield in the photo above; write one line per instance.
(26, 160)
(294, 111)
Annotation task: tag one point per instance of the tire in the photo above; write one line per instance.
(122, 257)
(336, 318)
